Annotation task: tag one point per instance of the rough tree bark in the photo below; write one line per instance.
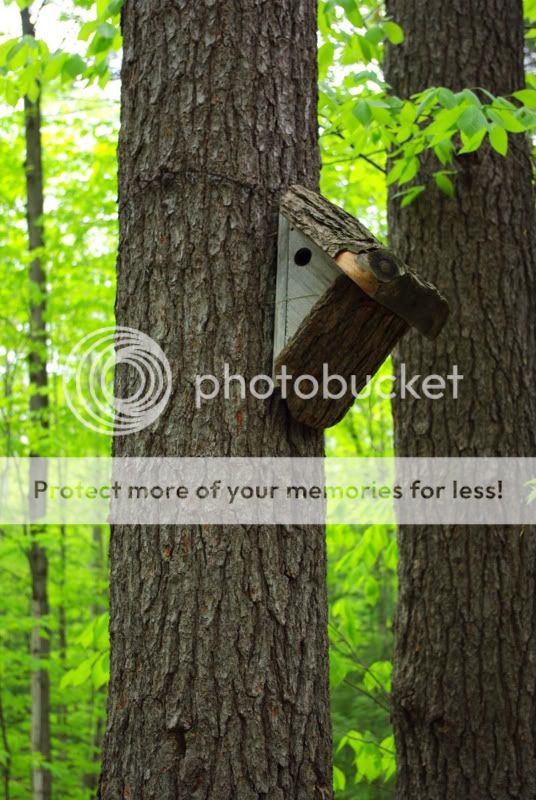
(39, 404)
(219, 666)
(465, 654)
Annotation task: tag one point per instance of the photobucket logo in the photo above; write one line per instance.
(331, 386)
(89, 382)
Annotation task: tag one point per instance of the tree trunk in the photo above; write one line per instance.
(219, 668)
(465, 654)
(39, 402)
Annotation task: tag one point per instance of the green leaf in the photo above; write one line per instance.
(394, 32)
(529, 10)
(5, 49)
(114, 7)
(410, 195)
(395, 172)
(445, 120)
(339, 667)
(443, 151)
(44, 52)
(11, 94)
(472, 121)
(352, 12)
(339, 779)
(107, 30)
(101, 671)
(372, 590)
(74, 66)
(101, 631)
(502, 102)
(368, 759)
(365, 47)
(374, 34)
(379, 673)
(472, 143)
(447, 98)
(527, 117)
(325, 58)
(78, 676)
(352, 52)
(388, 757)
(32, 91)
(17, 55)
(411, 168)
(381, 112)
(408, 113)
(54, 66)
(99, 44)
(498, 139)
(508, 120)
(104, 78)
(403, 133)
(527, 97)
(444, 183)
(87, 29)
(468, 96)
(363, 113)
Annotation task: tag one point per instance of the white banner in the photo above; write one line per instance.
(288, 491)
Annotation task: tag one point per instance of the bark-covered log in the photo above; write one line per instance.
(350, 334)
(356, 321)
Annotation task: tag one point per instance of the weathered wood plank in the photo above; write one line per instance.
(299, 284)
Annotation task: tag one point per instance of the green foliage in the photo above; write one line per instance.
(397, 136)
(362, 583)
(27, 66)
(79, 257)
(95, 667)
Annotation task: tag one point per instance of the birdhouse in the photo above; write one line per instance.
(342, 303)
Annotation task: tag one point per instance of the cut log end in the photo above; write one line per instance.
(383, 277)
